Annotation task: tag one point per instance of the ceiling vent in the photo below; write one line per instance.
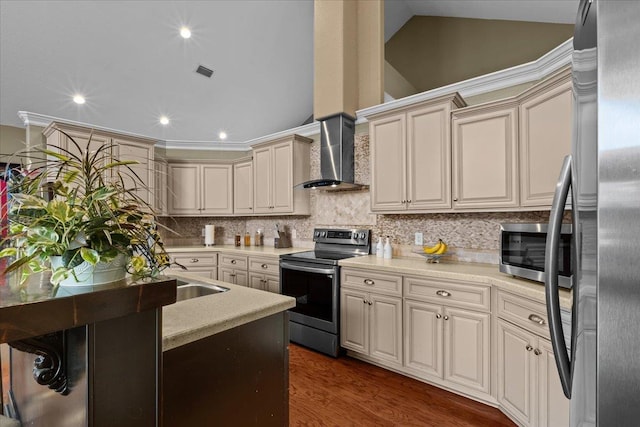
(204, 71)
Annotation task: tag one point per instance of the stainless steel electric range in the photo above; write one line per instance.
(313, 279)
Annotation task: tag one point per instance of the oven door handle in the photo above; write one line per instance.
(307, 269)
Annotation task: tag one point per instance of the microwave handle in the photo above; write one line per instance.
(551, 276)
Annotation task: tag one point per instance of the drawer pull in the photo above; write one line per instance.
(528, 347)
(369, 282)
(438, 316)
(537, 319)
(194, 260)
(233, 261)
(264, 266)
(232, 275)
(443, 293)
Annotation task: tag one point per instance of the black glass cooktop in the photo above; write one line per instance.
(317, 256)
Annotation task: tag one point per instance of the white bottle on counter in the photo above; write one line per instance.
(379, 248)
(387, 249)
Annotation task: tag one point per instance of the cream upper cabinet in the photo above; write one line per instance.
(160, 189)
(278, 166)
(411, 157)
(184, 189)
(243, 188)
(546, 112)
(200, 189)
(485, 156)
(138, 177)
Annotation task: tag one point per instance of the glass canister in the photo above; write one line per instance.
(247, 239)
(237, 241)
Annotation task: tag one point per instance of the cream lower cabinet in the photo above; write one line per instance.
(200, 189)
(233, 269)
(528, 384)
(411, 157)
(264, 273)
(201, 263)
(371, 315)
(447, 343)
(279, 166)
(485, 156)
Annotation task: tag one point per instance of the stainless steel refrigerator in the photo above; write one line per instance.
(601, 372)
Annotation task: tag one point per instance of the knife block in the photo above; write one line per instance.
(283, 241)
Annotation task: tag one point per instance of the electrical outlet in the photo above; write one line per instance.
(294, 234)
(419, 239)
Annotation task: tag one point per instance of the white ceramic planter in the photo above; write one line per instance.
(101, 273)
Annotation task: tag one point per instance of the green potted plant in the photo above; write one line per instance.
(79, 216)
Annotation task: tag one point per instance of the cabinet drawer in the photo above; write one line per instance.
(449, 292)
(373, 282)
(237, 262)
(193, 259)
(264, 265)
(523, 312)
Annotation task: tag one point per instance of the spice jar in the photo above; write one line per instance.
(247, 239)
(256, 239)
(237, 240)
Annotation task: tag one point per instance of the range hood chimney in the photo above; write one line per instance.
(336, 155)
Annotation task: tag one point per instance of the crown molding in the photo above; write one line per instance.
(176, 144)
(524, 73)
(307, 130)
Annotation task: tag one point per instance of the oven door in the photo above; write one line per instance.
(315, 289)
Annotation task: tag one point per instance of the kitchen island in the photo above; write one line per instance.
(225, 358)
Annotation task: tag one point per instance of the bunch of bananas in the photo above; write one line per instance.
(437, 249)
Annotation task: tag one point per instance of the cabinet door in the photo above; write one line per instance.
(256, 281)
(546, 122)
(208, 272)
(160, 189)
(216, 189)
(516, 368)
(243, 188)
(429, 158)
(262, 180)
(184, 189)
(241, 278)
(282, 183)
(553, 406)
(467, 348)
(227, 275)
(138, 177)
(385, 328)
(354, 320)
(423, 339)
(272, 283)
(485, 160)
(388, 163)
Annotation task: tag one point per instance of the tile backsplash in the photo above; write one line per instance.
(472, 237)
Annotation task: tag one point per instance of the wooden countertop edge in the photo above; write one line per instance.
(42, 317)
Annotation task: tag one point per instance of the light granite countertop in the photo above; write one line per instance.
(193, 319)
(238, 250)
(487, 274)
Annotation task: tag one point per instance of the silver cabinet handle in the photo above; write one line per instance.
(551, 272)
(455, 199)
(232, 275)
(446, 317)
(404, 201)
(369, 302)
(364, 301)
(194, 260)
(233, 261)
(438, 315)
(537, 352)
(369, 282)
(443, 293)
(528, 347)
(409, 201)
(264, 266)
(536, 319)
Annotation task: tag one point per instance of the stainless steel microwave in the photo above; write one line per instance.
(523, 247)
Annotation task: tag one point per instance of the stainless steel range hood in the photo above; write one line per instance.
(336, 155)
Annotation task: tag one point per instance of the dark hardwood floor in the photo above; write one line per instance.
(347, 392)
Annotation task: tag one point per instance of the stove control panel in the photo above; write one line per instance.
(357, 237)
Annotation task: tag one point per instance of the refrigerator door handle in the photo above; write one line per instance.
(551, 276)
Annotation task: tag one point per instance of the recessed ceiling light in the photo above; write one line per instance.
(164, 120)
(78, 99)
(185, 32)
(222, 135)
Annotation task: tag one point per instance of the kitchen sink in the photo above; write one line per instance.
(188, 290)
